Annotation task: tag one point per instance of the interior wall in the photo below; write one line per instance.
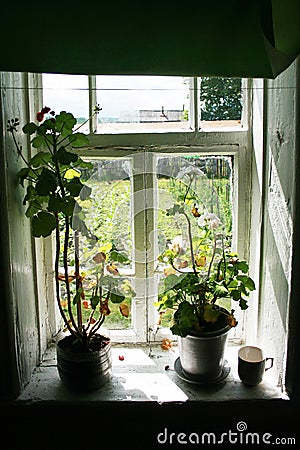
(21, 320)
(273, 210)
(293, 348)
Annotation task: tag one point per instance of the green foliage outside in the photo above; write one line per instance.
(220, 99)
(218, 190)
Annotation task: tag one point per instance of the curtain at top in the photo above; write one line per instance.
(237, 38)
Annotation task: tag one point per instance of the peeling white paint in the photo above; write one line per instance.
(280, 219)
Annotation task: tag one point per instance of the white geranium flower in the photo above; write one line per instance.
(209, 219)
(177, 245)
(190, 171)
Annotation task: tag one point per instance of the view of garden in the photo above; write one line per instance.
(107, 212)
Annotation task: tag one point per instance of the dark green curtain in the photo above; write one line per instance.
(237, 38)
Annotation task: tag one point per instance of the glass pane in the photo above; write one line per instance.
(220, 103)
(142, 104)
(106, 233)
(204, 186)
(67, 93)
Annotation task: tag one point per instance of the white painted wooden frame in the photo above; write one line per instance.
(142, 149)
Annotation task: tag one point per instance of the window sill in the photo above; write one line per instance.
(145, 374)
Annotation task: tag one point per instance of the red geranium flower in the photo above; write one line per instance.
(45, 110)
(40, 116)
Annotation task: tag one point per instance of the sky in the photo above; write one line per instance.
(115, 94)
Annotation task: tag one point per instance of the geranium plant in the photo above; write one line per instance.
(203, 275)
(55, 191)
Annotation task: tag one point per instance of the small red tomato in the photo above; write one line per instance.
(121, 357)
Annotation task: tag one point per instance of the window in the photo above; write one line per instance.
(142, 104)
(148, 130)
(205, 181)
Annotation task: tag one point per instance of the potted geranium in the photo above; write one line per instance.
(54, 196)
(201, 282)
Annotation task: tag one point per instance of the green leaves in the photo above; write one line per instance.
(30, 128)
(176, 209)
(95, 299)
(43, 223)
(220, 290)
(64, 157)
(24, 174)
(46, 183)
(40, 158)
(172, 282)
(53, 173)
(116, 297)
(78, 140)
(118, 256)
(184, 319)
(58, 204)
(74, 186)
(65, 123)
(39, 141)
(196, 296)
(241, 266)
(210, 313)
(77, 296)
(247, 282)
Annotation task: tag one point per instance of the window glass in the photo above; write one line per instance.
(106, 230)
(202, 184)
(67, 93)
(220, 102)
(142, 103)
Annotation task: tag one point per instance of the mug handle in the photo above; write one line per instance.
(271, 363)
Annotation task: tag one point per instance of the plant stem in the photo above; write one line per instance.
(66, 270)
(224, 257)
(66, 244)
(188, 188)
(175, 268)
(19, 151)
(77, 277)
(191, 242)
(97, 325)
(57, 252)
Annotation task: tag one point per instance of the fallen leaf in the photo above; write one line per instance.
(169, 271)
(85, 304)
(166, 344)
(104, 309)
(111, 268)
(195, 211)
(124, 310)
(99, 257)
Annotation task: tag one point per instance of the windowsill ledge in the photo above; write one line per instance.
(146, 374)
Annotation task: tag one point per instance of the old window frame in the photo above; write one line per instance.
(142, 148)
